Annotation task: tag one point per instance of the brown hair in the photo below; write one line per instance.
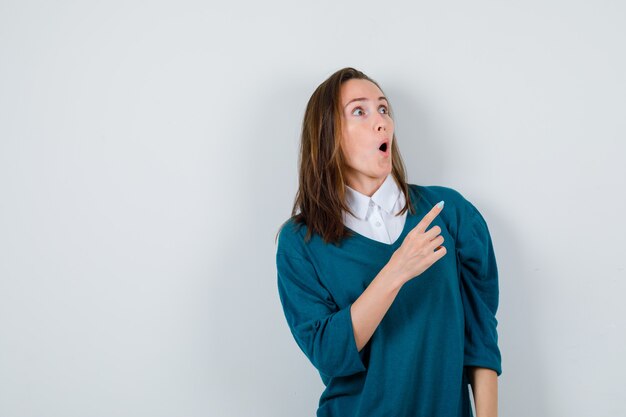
(321, 193)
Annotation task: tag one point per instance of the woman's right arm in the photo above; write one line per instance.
(369, 309)
(415, 255)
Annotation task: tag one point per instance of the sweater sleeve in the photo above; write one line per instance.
(322, 330)
(479, 291)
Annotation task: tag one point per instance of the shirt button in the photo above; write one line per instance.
(377, 224)
(371, 204)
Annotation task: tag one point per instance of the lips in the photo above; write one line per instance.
(384, 146)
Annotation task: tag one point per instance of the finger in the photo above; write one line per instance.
(439, 253)
(433, 232)
(429, 217)
(435, 243)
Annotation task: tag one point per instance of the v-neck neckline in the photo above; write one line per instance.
(408, 224)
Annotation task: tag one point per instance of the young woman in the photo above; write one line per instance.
(391, 296)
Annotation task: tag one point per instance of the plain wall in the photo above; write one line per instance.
(148, 155)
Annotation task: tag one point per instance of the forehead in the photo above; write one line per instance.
(359, 88)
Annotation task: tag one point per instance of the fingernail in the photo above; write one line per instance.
(440, 204)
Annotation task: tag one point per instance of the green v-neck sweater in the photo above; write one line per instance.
(440, 322)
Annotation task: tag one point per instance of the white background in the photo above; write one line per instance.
(148, 155)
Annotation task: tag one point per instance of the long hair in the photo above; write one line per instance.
(320, 198)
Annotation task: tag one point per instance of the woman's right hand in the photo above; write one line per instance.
(417, 252)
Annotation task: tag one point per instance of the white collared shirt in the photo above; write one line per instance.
(375, 216)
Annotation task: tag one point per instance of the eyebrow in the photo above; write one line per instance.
(364, 99)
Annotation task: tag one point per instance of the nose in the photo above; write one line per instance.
(381, 123)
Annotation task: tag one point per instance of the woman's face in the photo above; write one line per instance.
(366, 126)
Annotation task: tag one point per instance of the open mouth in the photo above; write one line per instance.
(383, 147)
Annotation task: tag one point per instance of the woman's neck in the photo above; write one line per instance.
(366, 185)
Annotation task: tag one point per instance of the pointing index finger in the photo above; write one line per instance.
(429, 217)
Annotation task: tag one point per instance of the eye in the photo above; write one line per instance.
(355, 109)
(384, 107)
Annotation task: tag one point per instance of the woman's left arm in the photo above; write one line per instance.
(480, 295)
(484, 384)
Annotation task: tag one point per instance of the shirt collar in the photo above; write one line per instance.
(386, 197)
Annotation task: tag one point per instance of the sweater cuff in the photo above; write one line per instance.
(349, 360)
